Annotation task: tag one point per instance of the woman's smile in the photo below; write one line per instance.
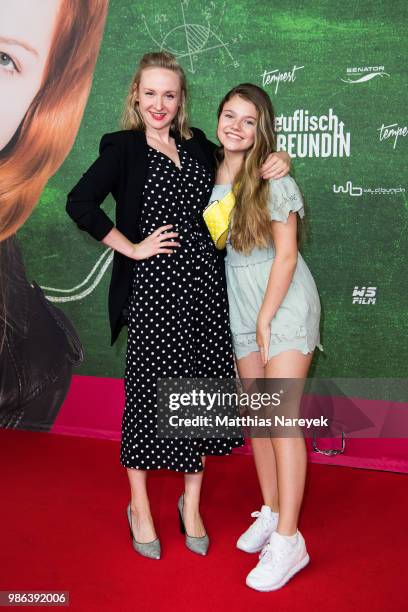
(158, 116)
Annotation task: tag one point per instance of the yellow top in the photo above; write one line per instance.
(217, 217)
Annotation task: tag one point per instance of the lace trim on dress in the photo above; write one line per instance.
(284, 204)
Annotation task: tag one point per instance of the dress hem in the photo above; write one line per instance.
(175, 469)
(277, 350)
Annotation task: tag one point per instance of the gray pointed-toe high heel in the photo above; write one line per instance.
(195, 544)
(151, 549)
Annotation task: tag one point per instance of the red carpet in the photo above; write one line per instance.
(64, 528)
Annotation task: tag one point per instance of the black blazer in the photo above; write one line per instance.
(121, 169)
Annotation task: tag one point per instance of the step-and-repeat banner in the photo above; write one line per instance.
(337, 78)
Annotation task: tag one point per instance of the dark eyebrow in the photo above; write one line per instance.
(19, 43)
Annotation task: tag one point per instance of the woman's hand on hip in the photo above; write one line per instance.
(157, 243)
(263, 336)
(276, 166)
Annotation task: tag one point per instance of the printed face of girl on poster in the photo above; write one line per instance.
(25, 42)
(48, 52)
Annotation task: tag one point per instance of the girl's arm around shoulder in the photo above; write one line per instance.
(276, 166)
(101, 178)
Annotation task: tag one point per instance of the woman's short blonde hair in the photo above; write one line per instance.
(132, 118)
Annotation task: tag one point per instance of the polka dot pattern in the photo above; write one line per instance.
(178, 323)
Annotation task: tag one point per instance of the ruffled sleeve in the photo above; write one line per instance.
(284, 198)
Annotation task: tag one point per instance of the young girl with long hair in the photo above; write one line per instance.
(168, 276)
(274, 312)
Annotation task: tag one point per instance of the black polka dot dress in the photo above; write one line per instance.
(178, 323)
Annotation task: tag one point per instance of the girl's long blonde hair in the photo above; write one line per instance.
(132, 118)
(250, 224)
(49, 128)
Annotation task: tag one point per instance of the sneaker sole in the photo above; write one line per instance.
(252, 550)
(286, 579)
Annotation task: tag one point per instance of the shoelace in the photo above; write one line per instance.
(271, 555)
(263, 523)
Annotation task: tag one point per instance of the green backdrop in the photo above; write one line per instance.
(348, 57)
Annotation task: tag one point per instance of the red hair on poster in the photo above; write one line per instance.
(49, 126)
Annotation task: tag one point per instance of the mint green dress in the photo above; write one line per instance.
(296, 322)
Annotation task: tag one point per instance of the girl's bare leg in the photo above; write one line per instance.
(249, 368)
(290, 453)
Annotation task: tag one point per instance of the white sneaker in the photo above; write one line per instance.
(279, 561)
(258, 534)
